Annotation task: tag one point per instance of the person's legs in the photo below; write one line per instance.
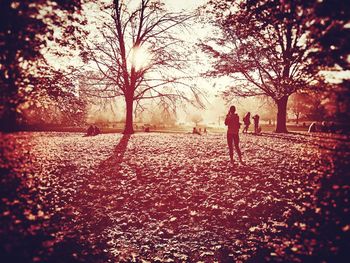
(230, 145)
(236, 142)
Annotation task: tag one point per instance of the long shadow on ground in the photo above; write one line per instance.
(89, 217)
(128, 208)
(70, 234)
(197, 215)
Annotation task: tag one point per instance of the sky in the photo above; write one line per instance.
(178, 5)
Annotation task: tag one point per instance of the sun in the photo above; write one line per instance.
(140, 57)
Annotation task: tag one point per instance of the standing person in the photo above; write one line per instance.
(233, 125)
(256, 123)
(195, 131)
(246, 121)
(97, 131)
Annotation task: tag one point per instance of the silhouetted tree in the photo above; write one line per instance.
(331, 105)
(331, 33)
(66, 111)
(25, 29)
(269, 47)
(146, 32)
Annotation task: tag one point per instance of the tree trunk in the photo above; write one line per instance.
(8, 120)
(281, 126)
(129, 129)
(9, 95)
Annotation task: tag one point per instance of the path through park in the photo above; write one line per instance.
(174, 198)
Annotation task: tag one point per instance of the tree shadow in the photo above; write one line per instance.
(35, 239)
(112, 164)
(319, 140)
(285, 136)
(86, 240)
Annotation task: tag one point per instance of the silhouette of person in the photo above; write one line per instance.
(233, 125)
(195, 131)
(246, 121)
(96, 130)
(90, 131)
(256, 123)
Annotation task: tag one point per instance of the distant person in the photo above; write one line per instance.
(90, 131)
(97, 131)
(256, 118)
(246, 121)
(195, 131)
(233, 125)
(205, 131)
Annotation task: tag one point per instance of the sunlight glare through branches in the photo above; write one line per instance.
(140, 57)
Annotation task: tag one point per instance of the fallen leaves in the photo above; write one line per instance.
(170, 197)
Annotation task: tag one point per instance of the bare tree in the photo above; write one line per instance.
(138, 57)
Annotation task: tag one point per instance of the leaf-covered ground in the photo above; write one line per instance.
(154, 197)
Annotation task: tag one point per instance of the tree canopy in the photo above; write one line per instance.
(270, 47)
(25, 29)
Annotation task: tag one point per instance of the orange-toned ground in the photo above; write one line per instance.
(173, 198)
